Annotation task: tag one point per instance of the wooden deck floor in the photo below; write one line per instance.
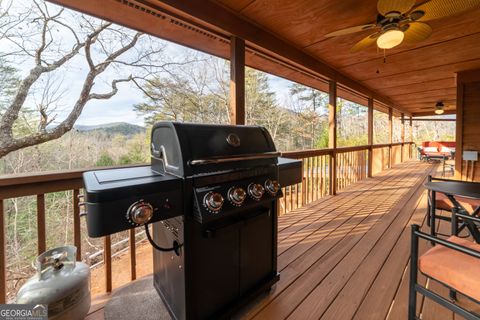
(346, 257)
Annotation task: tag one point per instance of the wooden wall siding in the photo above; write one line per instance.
(467, 126)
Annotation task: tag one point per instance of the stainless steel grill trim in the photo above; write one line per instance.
(216, 160)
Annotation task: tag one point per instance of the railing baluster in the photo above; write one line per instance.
(133, 257)
(3, 256)
(107, 258)
(41, 238)
(77, 239)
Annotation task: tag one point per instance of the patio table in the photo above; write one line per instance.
(453, 189)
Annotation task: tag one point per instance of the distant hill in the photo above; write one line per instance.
(122, 128)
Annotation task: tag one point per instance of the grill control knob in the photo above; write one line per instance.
(213, 201)
(255, 191)
(140, 212)
(236, 196)
(272, 187)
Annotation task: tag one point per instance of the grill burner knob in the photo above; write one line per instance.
(272, 187)
(236, 196)
(255, 191)
(213, 201)
(141, 212)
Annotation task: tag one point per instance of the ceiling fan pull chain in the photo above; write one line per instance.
(384, 56)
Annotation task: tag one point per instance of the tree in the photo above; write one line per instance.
(196, 92)
(312, 108)
(52, 40)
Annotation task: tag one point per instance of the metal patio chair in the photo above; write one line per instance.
(454, 262)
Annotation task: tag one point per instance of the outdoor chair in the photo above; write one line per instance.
(453, 262)
(443, 203)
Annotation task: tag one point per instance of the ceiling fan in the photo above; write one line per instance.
(402, 21)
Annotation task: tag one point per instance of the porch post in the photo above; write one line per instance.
(411, 139)
(403, 136)
(390, 137)
(370, 136)
(237, 80)
(332, 135)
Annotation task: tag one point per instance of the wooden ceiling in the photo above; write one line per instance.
(413, 78)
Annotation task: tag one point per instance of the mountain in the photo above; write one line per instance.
(123, 128)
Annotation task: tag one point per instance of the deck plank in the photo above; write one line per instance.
(307, 276)
(322, 296)
(346, 256)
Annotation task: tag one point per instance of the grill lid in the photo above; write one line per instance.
(187, 149)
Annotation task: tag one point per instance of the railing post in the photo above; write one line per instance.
(237, 80)
(3, 257)
(107, 259)
(370, 137)
(332, 135)
(390, 136)
(77, 240)
(133, 256)
(42, 243)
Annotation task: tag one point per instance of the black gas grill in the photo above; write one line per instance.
(211, 193)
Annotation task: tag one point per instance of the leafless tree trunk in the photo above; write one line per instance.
(112, 42)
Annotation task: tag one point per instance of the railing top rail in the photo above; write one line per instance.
(33, 183)
(27, 184)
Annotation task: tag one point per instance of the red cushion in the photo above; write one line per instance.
(455, 269)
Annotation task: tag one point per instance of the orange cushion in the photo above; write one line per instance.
(455, 269)
(442, 202)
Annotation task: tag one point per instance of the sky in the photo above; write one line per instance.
(118, 108)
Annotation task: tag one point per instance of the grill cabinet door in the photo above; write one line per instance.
(256, 251)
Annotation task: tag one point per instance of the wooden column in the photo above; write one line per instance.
(390, 135)
(370, 136)
(402, 136)
(411, 139)
(332, 135)
(237, 80)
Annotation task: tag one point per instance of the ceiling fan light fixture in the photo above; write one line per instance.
(439, 108)
(390, 39)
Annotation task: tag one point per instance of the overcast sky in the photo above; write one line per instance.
(118, 108)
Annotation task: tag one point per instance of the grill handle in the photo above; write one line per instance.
(225, 159)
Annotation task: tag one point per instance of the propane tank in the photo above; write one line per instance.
(60, 282)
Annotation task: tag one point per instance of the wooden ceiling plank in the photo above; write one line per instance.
(433, 56)
(214, 14)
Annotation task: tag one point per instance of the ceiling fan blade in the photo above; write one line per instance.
(435, 9)
(401, 6)
(351, 30)
(365, 42)
(416, 32)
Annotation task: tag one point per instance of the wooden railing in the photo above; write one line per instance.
(352, 165)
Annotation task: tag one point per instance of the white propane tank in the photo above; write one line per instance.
(61, 282)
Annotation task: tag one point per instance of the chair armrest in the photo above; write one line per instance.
(418, 234)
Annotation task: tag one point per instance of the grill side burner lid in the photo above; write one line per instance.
(187, 149)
